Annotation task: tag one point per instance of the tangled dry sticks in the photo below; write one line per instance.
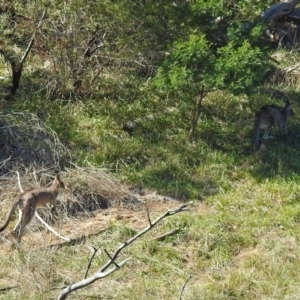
(26, 142)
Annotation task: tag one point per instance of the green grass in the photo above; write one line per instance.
(240, 239)
(242, 245)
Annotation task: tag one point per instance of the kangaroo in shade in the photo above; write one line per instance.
(268, 116)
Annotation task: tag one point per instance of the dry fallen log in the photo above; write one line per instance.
(182, 290)
(279, 9)
(164, 236)
(295, 14)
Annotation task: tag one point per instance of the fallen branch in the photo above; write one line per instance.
(39, 217)
(152, 224)
(3, 290)
(90, 262)
(88, 281)
(182, 290)
(279, 9)
(112, 258)
(167, 234)
(4, 161)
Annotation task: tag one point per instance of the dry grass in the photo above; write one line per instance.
(287, 74)
(241, 244)
(42, 266)
(26, 142)
(86, 191)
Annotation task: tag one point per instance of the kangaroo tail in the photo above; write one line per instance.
(256, 131)
(11, 211)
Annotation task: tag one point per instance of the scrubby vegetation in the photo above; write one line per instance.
(130, 97)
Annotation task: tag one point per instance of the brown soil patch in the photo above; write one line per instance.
(85, 226)
(245, 255)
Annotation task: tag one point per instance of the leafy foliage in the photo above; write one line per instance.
(95, 65)
(194, 63)
(239, 69)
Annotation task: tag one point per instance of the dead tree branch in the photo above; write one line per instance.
(112, 259)
(183, 287)
(4, 161)
(90, 262)
(51, 229)
(3, 290)
(149, 227)
(167, 234)
(148, 216)
(31, 42)
(279, 9)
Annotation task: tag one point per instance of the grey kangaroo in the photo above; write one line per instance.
(268, 116)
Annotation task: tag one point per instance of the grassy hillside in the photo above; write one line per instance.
(239, 240)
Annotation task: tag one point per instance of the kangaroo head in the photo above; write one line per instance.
(59, 181)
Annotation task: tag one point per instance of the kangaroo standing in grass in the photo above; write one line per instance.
(268, 116)
(28, 201)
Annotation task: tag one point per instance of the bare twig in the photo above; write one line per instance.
(30, 44)
(4, 161)
(19, 182)
(163, 236)
(98, 275)
(148, 216)
(130, 241)
(112, 259)
(90, 262)
(182, 290)
(8, 288)
(38, 216)
(96, 48)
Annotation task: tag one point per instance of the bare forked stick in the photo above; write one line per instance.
(182, 290)
(101, 273)
(39, 217)
(4, 161)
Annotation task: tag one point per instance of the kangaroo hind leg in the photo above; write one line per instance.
(266, 135)
(26, 217)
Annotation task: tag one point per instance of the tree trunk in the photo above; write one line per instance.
(196, 114)
(17, 69)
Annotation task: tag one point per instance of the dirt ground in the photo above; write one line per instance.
(82, 226)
